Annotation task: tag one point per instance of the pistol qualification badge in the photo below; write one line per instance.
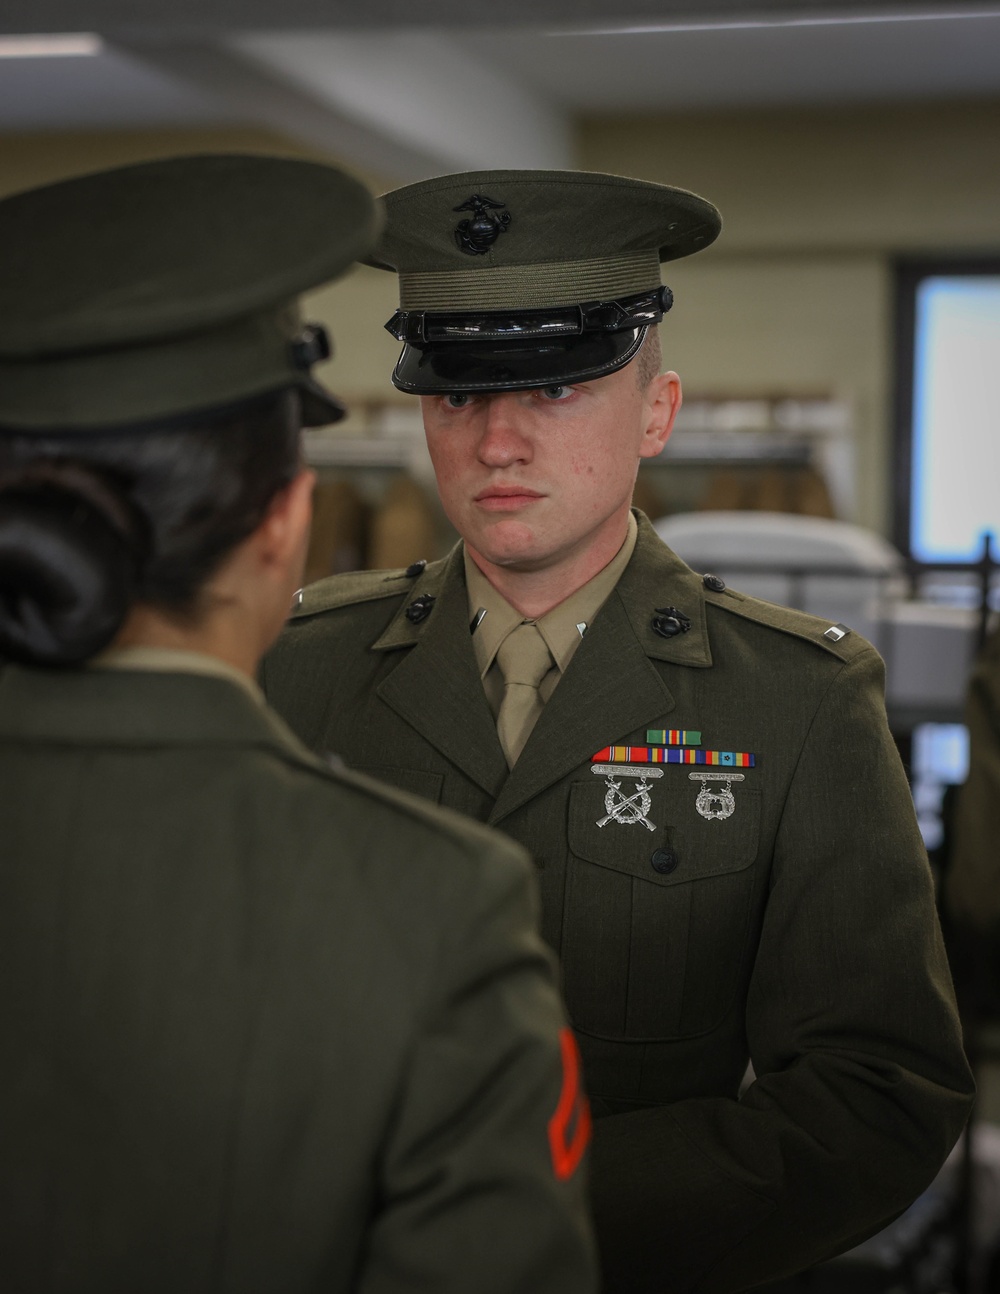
(716, 802)
(626, 810)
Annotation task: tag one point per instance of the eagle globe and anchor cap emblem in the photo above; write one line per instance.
(477, 235)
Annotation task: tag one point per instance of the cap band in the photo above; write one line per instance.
(526, 287)
(134, 384)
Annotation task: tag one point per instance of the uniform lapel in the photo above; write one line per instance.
(611, 687)
(436, 687)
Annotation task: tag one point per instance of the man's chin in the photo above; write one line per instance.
(509, 551)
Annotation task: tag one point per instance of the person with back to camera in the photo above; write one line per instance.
(727, 850)
(267, 1026)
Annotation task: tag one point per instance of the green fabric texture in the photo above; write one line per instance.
(798, 934)
(268, 1027)
(560, 224)
(167, 287)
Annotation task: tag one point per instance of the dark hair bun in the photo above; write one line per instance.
(69, 556)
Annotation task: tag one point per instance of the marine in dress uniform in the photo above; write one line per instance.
(730, 868)
(267, 1025)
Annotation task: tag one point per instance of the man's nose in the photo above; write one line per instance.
(504, 439)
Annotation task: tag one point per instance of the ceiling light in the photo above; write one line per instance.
(755, 24)
(65, 45)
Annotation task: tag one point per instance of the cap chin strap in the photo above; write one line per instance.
(424, 327)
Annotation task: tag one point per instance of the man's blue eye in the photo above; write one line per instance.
(456, 400)
(556, 392)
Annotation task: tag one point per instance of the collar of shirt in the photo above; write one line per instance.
(175, 660)
(559, 627)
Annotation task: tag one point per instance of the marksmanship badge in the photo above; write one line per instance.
(625, 809)
(716, 803)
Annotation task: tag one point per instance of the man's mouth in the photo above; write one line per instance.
(501, 493)
(506, 498)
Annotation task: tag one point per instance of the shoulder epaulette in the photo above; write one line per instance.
(353, 587)
(840, 640)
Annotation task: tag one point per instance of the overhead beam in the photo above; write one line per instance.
(402, 108)
(250, 94)
(421, 93)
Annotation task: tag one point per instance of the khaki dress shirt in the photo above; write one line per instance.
(562, 628)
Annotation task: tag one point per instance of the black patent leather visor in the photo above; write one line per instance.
(436, 368)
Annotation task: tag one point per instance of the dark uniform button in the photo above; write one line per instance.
(668, 622)
(310, 346)
(664, 860)
(419, 609)
(714, 582)
(415, 568)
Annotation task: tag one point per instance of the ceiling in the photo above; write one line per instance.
(405, 91)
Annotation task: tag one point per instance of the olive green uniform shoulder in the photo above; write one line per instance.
(837, 639)
(354, 587)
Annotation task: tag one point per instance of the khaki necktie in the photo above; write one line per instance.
(524, 660)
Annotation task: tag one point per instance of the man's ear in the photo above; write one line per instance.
(283, 534)
(662, 403)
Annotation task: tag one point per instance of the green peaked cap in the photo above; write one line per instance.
(523, 278)
(168, 288)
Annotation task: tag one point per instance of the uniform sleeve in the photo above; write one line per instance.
(973, 882)
(861, 1085)
(483, 1175)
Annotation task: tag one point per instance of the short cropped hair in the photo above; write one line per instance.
(649, 360)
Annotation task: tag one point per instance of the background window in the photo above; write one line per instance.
(948, 439)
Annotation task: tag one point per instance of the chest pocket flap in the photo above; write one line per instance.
(691, 846)
(655, 923)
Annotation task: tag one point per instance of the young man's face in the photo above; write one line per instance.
(531, 479)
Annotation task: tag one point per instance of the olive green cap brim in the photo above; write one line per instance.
(166, 288)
